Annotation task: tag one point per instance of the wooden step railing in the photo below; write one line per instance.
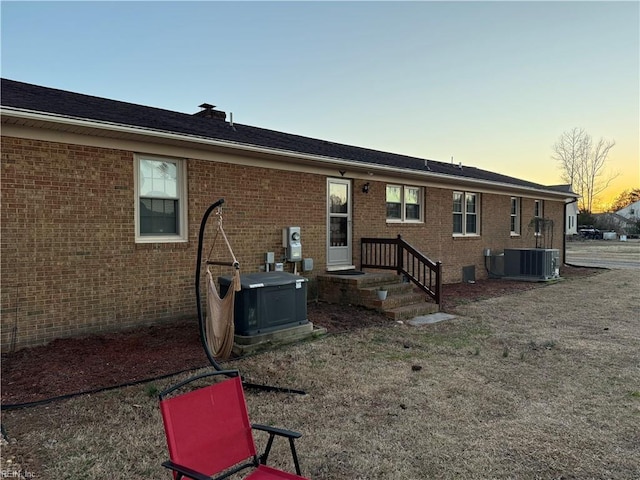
(396, 254)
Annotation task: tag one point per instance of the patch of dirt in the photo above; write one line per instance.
(80, 364)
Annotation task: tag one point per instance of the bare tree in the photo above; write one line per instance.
(583, 164)
(627, 197)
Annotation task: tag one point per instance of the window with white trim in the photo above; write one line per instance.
(161, 206)
(465, 213)
(538, 214)
(404, 203)
(515, 216)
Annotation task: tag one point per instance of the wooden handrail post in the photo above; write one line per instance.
(399, 255)
(438, 282)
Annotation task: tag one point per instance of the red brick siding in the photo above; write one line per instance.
(435, 237)
(70, 264)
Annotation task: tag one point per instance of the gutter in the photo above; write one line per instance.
(32, 115)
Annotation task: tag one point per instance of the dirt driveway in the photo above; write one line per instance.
(604, 253)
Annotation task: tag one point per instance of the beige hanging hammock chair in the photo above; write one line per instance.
(219, 323)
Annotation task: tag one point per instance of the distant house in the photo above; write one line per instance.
(623, 222)
(630, 212)
(102, 201)
(613, 222)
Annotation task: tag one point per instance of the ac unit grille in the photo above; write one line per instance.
(535, 263)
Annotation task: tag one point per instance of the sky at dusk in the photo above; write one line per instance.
(493, 84)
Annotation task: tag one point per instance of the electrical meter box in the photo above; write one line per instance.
(292, 244)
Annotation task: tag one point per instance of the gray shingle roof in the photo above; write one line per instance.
(26, 96)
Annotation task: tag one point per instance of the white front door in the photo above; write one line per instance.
(338, 224)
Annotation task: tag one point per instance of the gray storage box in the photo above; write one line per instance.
(268, 301)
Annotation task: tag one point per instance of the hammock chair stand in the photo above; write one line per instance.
(202, 324)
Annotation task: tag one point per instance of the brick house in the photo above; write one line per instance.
(102, 201)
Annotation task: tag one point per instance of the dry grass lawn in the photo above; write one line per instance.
(540, 384)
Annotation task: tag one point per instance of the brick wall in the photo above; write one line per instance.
(70, 264)
(435, 237)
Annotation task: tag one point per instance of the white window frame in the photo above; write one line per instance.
(403, 205)
(514, 217)
(464, 214)
(538, 212)
(181, 172)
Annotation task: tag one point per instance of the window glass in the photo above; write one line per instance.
(412, 203)
(471, 223)
(465, 213)
(412, 212)
(158, 216)
(393, 194)
(537, 213)
(394, 202)
(338, 197)
(404, 203)
(457, 202)
(515, 215)
(471, 202)
(412, 195)
(158, 179)
(457, 223)
(394, 211)
(161, 207)
(338, 229)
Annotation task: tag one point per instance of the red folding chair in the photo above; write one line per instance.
(209, 436)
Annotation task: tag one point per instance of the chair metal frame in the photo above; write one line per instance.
(253, 460)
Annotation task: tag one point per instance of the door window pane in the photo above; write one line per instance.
(338, 198)
(338, 232)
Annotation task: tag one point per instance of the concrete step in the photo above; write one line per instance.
(403, 301)
(243, 345)
(393, 300)
(396, 288)
(410, 311)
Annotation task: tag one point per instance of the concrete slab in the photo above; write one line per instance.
(427, 319)
(243, 345)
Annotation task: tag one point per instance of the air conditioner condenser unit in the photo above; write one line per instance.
(532, 263)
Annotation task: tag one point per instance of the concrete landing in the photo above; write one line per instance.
(243, 345)
(427, 319)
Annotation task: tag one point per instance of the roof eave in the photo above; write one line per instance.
(118, 128)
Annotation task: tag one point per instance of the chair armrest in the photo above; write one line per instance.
(276, 431)
(187, 472)
(273, 431)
